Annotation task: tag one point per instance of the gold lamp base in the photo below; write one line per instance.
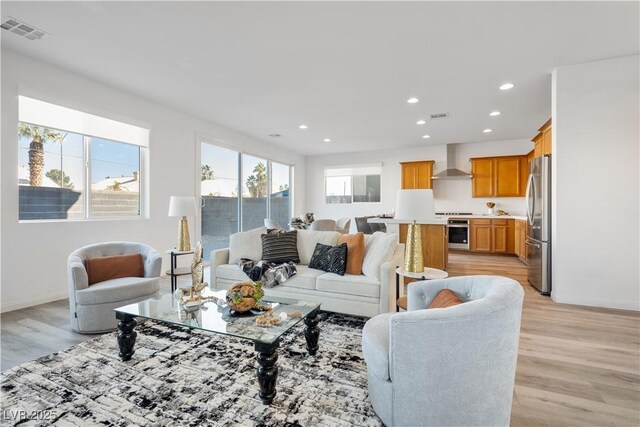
(413, 260)
(184, 241)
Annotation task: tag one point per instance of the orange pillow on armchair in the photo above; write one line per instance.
(114, 267)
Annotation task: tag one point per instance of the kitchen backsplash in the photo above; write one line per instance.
(455, 196)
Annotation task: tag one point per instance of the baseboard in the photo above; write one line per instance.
(596, 302)
(31, 301)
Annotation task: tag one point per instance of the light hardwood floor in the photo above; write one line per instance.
(577, 366)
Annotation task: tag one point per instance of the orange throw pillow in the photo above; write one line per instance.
(445, 298)
(114, 267)
(355, 251)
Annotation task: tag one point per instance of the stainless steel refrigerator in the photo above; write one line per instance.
(538, 241)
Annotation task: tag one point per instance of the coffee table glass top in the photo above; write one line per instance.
(212, 318)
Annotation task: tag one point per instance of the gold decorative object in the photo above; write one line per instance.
(267, 319)
(413, 260)
(190, 294)
(184, 241)
(244, 296)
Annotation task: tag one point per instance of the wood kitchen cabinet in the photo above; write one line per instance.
(435, 244)
(542, 141)
(504, 176)
(417, 175)
(496, 236)
(520, 247)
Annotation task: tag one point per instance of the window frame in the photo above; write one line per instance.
(86, 152)
(354, 173)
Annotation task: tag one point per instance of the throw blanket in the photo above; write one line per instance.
(270, 273)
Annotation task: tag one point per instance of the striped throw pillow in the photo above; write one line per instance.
(280, 247)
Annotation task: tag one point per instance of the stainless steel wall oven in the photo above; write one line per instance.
(458, 234)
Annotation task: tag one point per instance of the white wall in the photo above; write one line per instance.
(596, 190)
(450, 195)
(34, 254)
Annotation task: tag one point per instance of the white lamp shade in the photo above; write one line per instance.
(182, 206)
(414, 205)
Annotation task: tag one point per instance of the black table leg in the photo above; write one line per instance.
(267, 370)
(397, 290)
(126, 335)
(174, 279)
(312, 332)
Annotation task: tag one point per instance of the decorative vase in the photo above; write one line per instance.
(490, 211)
(243, 296)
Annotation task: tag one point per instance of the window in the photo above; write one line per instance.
(67, 174)
(238, 192)
(353, 184)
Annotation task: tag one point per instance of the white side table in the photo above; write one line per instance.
(428, 274)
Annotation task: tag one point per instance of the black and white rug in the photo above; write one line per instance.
(187, 377)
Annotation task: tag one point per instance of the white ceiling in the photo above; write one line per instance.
(344, 69)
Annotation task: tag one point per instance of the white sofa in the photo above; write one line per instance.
(351, 294)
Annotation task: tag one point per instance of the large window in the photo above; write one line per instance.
(238, 192)
(67, 174)
(352, 184)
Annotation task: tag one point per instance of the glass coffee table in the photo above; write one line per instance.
(212, 318)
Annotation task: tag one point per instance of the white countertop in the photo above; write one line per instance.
(442, 220)
(436, 221)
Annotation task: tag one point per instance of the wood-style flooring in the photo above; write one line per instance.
(577, 366)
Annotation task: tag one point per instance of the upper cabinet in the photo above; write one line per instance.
(542, 141)
(416, 175)
(503, 176)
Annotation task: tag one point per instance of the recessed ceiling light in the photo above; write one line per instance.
(495, 113)
(421, 122)
(426, 136)
(413, 100)
(275, 135)
(507, 86)
(487, 130)
(303, 127)
(327, 140)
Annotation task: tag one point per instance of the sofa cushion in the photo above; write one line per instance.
(307, 240)
(105, 268)
(355, 252)
(246, 245)
(305, 277)
(280, 246)
(332, 259)
(379, 248)
(348, 284)
(121, 289)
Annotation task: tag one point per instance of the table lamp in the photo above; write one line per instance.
(183, 207)
(412, 206)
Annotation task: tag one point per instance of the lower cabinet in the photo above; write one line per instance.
(520, 239)
(496, 236)
(435, 244)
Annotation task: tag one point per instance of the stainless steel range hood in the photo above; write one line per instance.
(451, 172)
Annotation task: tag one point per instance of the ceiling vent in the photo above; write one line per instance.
(439, 116)
(20, 28)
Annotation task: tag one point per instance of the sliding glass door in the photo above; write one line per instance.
(238, 192)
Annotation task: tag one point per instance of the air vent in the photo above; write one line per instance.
(275, 135)
(22, 29)
(439, 116)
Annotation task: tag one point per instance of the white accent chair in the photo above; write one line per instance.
(323, 225)
(343, 225)
(91, 306)
(272, 223)
(451, 366)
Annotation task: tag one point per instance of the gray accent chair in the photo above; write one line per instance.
(451, 366)
(343, 225)
(323, 225)
(91, 307)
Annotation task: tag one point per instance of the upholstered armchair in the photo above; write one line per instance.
(91, 306)
(343, 225)
(446, 366)
(323, 225)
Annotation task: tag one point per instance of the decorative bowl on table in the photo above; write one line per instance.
(243, 296)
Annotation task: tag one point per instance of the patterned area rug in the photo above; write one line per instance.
(187, 377)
